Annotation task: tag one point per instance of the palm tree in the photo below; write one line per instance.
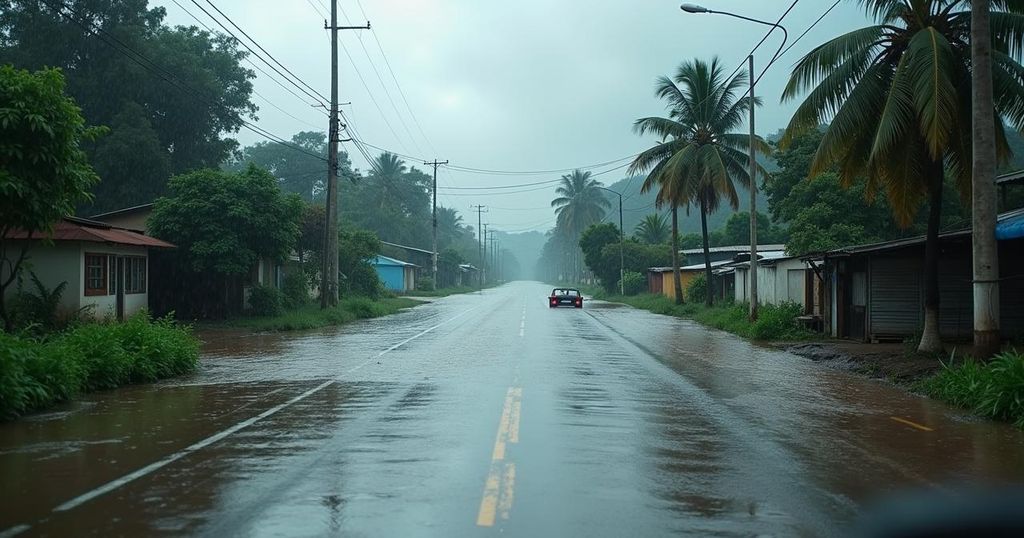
(389, 169)
(449, 225)
(653, 229)
(897, 97)
(700, 159)
(579, 204)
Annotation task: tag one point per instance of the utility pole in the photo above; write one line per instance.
(984, 204)
(753, 198)
(435, 164)
(491, 260)
(329, 266)
(480, 210)
(483, 260)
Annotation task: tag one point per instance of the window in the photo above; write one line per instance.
(95, 274)
(134, 274)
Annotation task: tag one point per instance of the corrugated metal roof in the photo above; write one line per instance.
(1011, 227)
(79, 229)
(734, 248)
(122, 211)
(1012, 177)
(384, 260)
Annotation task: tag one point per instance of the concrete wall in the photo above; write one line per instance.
(105, 306)
(392, 276)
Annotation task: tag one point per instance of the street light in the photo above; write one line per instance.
(622, 244)
(693, 8)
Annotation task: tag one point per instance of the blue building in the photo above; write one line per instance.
(397, 276)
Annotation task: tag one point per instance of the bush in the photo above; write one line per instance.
(362, 281)
(37, 373)
(778, 322)
(265, 301)
(295, 288)
(696, 290)
(994, 389)
(633, 283)
(425, 283)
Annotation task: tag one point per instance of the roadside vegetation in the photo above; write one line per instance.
(311, 316)
(774, 322)
(993, 389)
(38, 372)
(442, 292)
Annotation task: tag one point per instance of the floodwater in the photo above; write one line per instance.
(491, 413)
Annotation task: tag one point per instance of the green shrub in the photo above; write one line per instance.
(361, 307)
(18, 389)
(778, 322)
(994, 389)
(98, 347)
(633, 283)
(295, 288)
(425, 283)
(697, 289)
(265, 301)
(363, 281)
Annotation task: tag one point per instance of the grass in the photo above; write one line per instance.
(994, 389)
(443, 292)
(36, 373)
(311, 316)
(774, 322)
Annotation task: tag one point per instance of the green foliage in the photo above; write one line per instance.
(37, 373)
(736, 231)
(295, 289)
(266, 301)
(994, 389)
(355, 250)
(38, 311)
(299, 172)
(224, 222)
(654, 229)
(697, 289)
(425, 283)
(43, 171)
(156, 128)
(634, 283)
(312, 316)
(777, 322)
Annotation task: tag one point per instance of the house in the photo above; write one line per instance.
(660, 279)
(780, 279)
(876, 292)
(132, 218)
(397, 276)
(106, 267)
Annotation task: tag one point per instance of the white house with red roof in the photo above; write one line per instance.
(106, 267)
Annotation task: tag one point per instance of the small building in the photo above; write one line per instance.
(780, 279)
(876, 292)
(106, 267)
(397, 276)
(660, 279)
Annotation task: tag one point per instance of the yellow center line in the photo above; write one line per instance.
(912, 424)
(500, 483)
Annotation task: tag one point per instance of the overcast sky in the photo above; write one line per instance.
(523, 86)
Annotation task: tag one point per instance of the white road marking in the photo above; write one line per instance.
(155, 466)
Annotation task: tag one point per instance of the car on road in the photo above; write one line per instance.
(565, 297)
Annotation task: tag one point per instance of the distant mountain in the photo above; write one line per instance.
(525, 247)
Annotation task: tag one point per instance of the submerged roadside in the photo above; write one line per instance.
(993, 390)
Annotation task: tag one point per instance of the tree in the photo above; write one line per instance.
(702, 160)
(302, 172)
(160, 127)
(355, 250)
(592, 242)
(898, 95)
(43, 171)
(222, 224)
(579, 204)
(736, 231)
(653, 229)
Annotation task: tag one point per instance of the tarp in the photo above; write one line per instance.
(1010, 228)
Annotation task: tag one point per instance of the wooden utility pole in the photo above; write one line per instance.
(984, 202)
(753, 198)
(480, 210)
(433, 191)
(329, 264)
(483, 260)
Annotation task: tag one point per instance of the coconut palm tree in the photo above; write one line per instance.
(579, 204)
(700, 159)
(897, 98)
(653, 229)
(388, 169)
(449, 225)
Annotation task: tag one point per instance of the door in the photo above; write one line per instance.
(119, 287)
(858, 304)
(795, 281)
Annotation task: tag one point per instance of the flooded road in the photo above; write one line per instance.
(490, 413)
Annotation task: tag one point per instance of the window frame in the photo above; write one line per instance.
(104, 276)
(131, 264)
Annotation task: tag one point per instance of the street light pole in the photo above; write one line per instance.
(692, 8)
(622, 245)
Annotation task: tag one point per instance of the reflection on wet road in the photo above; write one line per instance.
(489, 413)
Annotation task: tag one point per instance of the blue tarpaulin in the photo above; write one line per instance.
(1010, 227)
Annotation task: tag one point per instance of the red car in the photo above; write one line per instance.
(565, 297)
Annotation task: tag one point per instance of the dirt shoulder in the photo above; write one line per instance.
(883, 361)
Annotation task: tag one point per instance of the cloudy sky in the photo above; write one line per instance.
(512, 86)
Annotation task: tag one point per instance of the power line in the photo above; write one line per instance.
(168, 77)
(811, 27)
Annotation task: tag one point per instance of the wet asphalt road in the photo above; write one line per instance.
(490, 413)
